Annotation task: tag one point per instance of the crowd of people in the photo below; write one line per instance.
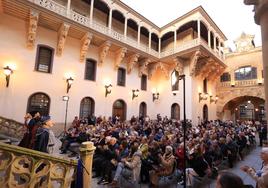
(146, 150)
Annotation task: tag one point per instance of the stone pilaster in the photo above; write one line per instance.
(261, 18)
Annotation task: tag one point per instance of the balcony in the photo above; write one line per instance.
(191, 44)
(240, 83)
(86, 21)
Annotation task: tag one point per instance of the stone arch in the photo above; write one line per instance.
(120, 109)
(238, 107)
(227, 96)
(39, 102)
(87, 107)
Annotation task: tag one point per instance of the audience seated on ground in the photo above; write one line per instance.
(207, 145)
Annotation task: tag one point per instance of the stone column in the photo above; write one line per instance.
(150, 41)
(261, 18)
(214, 41)
(68, 7)
(219, 47)
(159, 45)
(87, 150)
(264, 30)
(232, 75)
(139, 34)
(125, 28)
(175, 39)
(209, 40)
(110, 19)
(198, 28)
(91, 11)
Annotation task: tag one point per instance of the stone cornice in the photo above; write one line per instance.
(85, 42)
(62, 36)
(260, 6)
(32, 28)
(133, 59)
(120, 54)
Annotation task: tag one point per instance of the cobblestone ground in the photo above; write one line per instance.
(251, 159)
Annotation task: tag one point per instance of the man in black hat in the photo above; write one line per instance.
(42, 134)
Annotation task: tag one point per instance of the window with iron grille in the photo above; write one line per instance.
(144, 82)
(39, 102)
(246, 73)
(90, 70)
(44, 59)
(121, 77)
(225, 77)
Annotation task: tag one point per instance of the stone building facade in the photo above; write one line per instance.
(92, 47)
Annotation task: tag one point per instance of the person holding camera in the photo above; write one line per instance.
(165, 167)
(129, 168)
(260, 176)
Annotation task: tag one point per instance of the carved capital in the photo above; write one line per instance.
(120, 54)
(205, 67)
(103, 51)
(164, 69)
(32, 28)
(85, 42)
(211, 69)
(220, 70)
(193, 62)
(143, 69)
(179, 65)
(62, 35)
(151, 69)
(133, 59)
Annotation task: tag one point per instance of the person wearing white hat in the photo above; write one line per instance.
(260, 176)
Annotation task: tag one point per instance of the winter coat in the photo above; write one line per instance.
(135, 165)
(42, 138)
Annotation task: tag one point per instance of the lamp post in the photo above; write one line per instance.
(65, 98)
(182, 77)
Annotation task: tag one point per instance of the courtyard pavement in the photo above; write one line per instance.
(252, 159)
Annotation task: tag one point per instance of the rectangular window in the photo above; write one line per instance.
(121, 77)
(144, 82)
(205, 86)
(44, 59)
(225, 77)
(90, 70)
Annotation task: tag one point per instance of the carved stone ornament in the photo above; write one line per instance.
(211, 69)
(22, 167)
(193, 62)
(133, 59)
(143, 69)
(164, 69)
(207, 63)
(220, 71)
(244, 43)
(120, 54)
(62, 35)
(85, 42)
(103, 51)
(179, 65)
(32, 28)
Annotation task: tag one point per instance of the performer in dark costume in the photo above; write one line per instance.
(33, 125)
(42, 135)
(26, 140)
